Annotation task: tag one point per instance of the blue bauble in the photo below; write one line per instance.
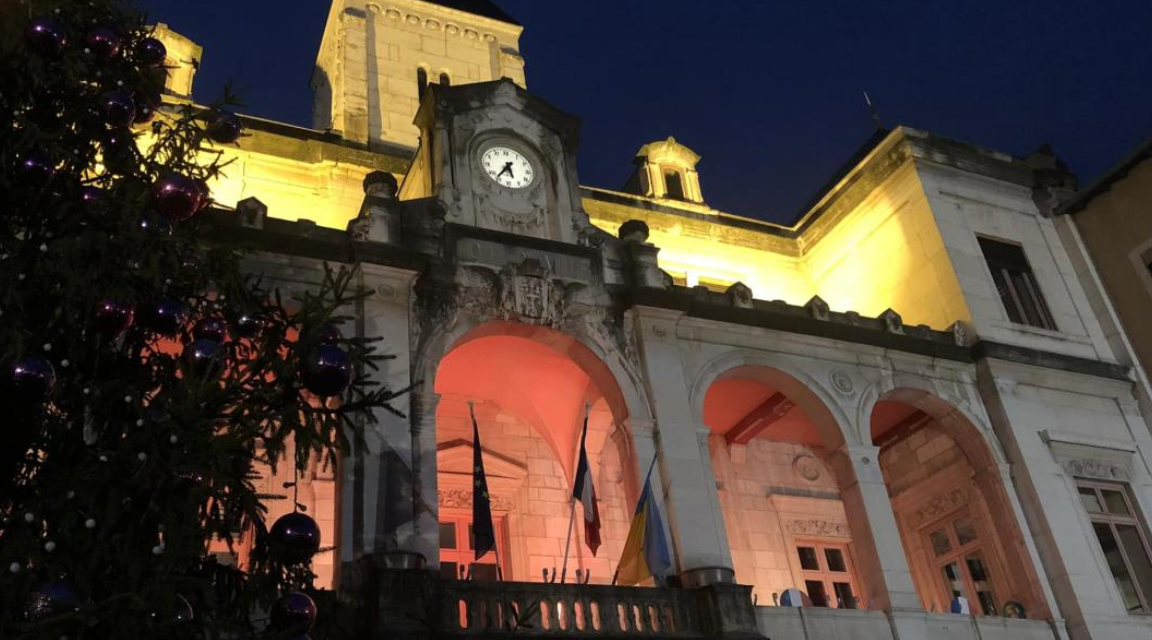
(202, 357)
(295, 538)
(33, 378)
(327, 371)
(294, 612)
(46, 36)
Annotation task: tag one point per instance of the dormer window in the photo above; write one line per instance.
(445, 81)
(673, 184)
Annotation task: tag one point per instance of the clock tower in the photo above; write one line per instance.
(499, 158)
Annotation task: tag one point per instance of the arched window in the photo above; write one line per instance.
(673, 185)
(421, 80)
(445, 80)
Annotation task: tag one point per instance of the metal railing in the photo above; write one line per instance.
(568, 610)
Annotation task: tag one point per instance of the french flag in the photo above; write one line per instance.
(585, 493)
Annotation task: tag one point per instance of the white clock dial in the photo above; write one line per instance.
(508, 167)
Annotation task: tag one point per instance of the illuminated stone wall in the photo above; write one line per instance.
(366, 72)
(534, 499)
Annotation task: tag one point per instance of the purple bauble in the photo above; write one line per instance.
(146, 106)
(118, 107)
(37, 169)
(203, 356)
(294, 612)
(156, 224)
(327, 371)
(104, 43)
(33, 378)
(51, 600)
(212, 328)
(152, 52)
(225, 128)
(46, 36)
(113, 317)
(167, 317)
(295, 538)
(175, 196)
(250, 324)
(329, 334)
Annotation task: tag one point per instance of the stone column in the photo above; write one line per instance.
(884, 573)
(373, 514)
(691, 503)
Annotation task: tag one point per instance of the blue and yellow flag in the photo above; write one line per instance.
(646, 550)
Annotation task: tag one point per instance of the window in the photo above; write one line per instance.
(673, 185)
(958, 557)
(457, 554)
(1015, 284)
(1124, 545)
(421, 81)
(445, 80)
(828, 575)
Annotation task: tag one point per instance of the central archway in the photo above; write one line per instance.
(529, 386)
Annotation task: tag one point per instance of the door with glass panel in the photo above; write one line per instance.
(961, 563)
(829, 577)
(458, 559)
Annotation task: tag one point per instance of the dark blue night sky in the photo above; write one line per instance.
(768, 92)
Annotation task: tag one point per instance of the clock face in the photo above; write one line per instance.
(508, 167)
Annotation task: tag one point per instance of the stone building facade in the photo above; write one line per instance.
(917, 392)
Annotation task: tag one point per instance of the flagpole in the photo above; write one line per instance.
(572, 503)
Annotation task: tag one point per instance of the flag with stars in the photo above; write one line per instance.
(483, 531)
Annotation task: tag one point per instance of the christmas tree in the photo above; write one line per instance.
(145, 377)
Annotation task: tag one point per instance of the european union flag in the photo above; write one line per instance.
(483, 531)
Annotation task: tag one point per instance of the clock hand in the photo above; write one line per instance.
(507, 169)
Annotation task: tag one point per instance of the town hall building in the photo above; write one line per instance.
(911, 414)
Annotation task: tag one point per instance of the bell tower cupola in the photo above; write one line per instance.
(378, 57)
(666, 170)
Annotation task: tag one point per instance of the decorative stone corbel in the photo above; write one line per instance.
(380, 217)
(252, 213)
(739, 295)
(893, 323)
(817, 308)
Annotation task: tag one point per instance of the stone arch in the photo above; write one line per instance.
(809, 394)
(614, 391)
(969, 429)
(979, 487)
(789, 491)
(628, 403)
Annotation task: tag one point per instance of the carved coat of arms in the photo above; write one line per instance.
(530, 295)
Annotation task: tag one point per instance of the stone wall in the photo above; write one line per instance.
(536, 504)
(773, 494)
